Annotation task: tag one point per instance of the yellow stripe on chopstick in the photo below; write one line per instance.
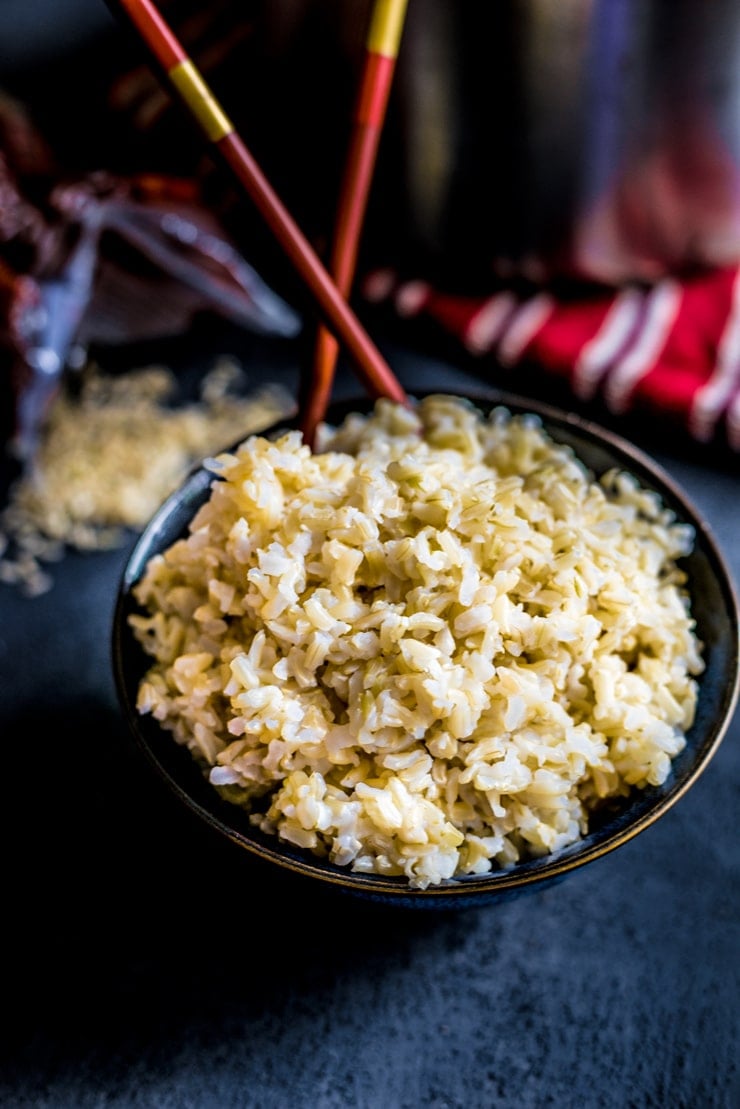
(199, 98)
(386, 25)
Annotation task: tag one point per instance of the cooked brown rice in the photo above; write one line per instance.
(429, 649)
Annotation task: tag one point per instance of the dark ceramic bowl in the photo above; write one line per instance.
(714, 608)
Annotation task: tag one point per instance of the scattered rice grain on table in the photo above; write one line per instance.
(111, 453)
(429, 650)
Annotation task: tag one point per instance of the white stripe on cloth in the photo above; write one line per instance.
(485, 327)
(712, 398)
(379, 285)
(411, 297)
(598, 354)
(662, 306)
(523, 326)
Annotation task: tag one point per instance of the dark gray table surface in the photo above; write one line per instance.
(148, 965)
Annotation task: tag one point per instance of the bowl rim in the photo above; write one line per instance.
(652, 802)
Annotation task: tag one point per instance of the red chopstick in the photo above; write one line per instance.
(381, 51)
(198, 98)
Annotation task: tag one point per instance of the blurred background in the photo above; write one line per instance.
(578, 147)
(596, 138)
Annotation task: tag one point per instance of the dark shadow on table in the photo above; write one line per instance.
(128, 920)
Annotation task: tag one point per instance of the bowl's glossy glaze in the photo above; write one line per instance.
(714, 606)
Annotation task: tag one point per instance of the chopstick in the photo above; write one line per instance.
(203, 106)
(381, 50)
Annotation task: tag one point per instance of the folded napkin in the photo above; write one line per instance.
(672, 348)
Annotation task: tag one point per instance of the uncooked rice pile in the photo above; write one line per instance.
(112, 453)
(426, 654)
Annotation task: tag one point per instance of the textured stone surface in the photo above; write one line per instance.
(147, 965)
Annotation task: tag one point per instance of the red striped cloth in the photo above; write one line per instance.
(672, 348)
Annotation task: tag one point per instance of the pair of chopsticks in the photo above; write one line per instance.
(329, 293)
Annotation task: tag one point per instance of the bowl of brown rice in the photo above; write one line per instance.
(456, 652)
